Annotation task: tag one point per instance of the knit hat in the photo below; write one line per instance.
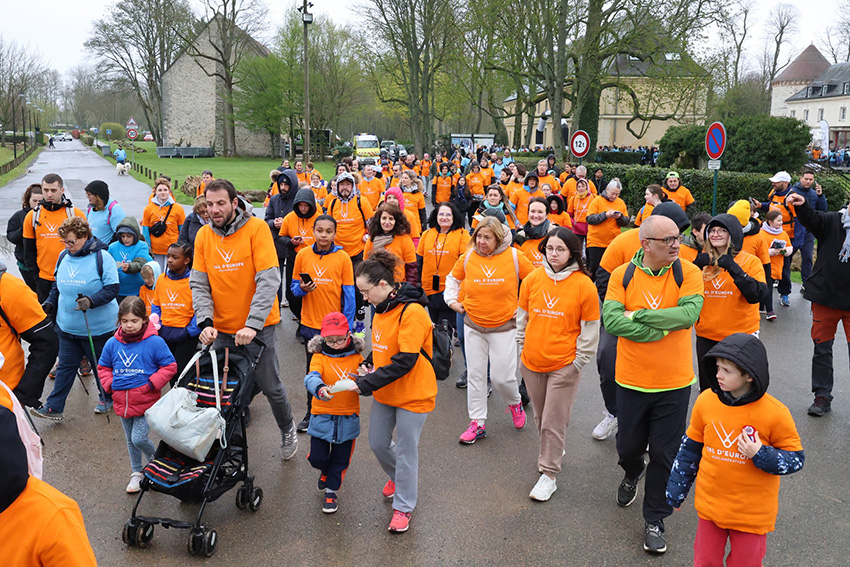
(334, 325)
(673, 212)
(398, 193)
(100, 189)
(741, 211)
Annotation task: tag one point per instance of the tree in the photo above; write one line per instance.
(737, 27)
(836, 38)
(413, 40)
(781, 24)
(136, 42)
(258, 101)
(22, 71)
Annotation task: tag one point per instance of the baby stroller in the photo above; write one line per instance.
(226, 464)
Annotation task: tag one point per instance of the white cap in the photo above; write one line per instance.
(781, 176)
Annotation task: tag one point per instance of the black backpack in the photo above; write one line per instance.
(442, 348)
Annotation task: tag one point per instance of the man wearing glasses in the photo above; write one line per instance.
(41, 239)
(651, 304)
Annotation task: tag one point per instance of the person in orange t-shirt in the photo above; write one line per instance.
(414, 199)
(606, 215)
(557, 306)
(738, 444)
(778, 244)
(654, 196)
(162, 220)
(651, 304)
(518, 173)
(577, 208)
(172, 303)
(234, 282)
(521, 197)
(679, 194)
(370, 186)
(391, 232)
(400, 378)
(206, 177)
(734, 287)
(441, 188)
(490, 273)
(568, 186)
(395, 196)
(543, 174)
(477, 181)
(558, 211)
(530, 235)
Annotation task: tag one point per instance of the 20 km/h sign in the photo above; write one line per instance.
(715, 140)
(580, 144)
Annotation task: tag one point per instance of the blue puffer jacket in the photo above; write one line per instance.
(137, 255)
(334, 429)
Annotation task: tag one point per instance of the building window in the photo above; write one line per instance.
(820, 114)
(823, 90)
(793, 114)
(812, 91)
(846, 88)
(805, 116)
(842, 113)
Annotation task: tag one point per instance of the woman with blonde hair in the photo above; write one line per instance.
(195, 220)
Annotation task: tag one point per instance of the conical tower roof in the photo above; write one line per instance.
(809, 65)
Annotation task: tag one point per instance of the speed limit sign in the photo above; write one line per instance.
(580, 144)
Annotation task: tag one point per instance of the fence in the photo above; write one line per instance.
(10, 165)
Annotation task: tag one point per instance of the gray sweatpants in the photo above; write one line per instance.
(399, 458)
(266, 375)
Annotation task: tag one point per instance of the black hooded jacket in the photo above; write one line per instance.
(828, 284)
(753, 290)
(13, 466)
(557, 199)
(750, 355)
(302, 196)
(281, 205)
(15, 233)
(402, 362)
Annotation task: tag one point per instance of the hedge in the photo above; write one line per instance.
(731, 186)
(118, 131)
(626, 158)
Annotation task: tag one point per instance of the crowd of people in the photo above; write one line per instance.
(535, 269)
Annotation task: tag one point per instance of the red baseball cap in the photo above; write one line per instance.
(334, 325)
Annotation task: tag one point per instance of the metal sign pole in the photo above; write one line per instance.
(714, 198)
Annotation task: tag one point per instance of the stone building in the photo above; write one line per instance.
(193, 106)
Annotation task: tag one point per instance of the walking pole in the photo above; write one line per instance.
(94, 354)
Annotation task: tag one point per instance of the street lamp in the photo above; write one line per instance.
(307, 18)
(14, 129)
(24, 118)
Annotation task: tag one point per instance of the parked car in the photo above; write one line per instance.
(148, 137)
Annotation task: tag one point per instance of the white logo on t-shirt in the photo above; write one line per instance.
(127, 359)
(377, 335)
(172, 295)
(226, 256)
(551, 301)
(725, 438)
(320, 272)
(51, 227)
(340, 373)
(653, 301)
(718, 282)
(489, 271)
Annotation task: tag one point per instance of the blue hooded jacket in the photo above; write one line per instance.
(137, 255)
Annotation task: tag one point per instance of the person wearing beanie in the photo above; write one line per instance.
(104, 214)
(520, 199)
(754, 242)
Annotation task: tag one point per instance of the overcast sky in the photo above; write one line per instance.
(58, 28)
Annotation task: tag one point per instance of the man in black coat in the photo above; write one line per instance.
(281, 205)
(828, 288)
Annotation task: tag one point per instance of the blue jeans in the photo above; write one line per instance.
(807, 252)
(136, 431)
(72, 349)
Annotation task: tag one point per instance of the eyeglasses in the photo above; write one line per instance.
(365, 293)
(718, 231)
(339, 340)
(559, 250)
(667, 240)
(69, 242)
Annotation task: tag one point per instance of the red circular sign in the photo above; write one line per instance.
(132, 134)
(715, 140)
(580, 143)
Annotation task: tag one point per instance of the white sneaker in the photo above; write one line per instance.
(290, 443)
(135, 483)
(606, 427)
(544, 489)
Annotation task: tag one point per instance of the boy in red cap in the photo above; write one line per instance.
(335, 420)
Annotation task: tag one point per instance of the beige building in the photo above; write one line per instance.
(671, 88)
(812, 90)
(193, 103)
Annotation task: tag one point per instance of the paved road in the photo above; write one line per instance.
(474, 507)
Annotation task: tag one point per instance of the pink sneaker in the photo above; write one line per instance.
(389, 489)
(473, 433)
(400, 522)
(518, 415)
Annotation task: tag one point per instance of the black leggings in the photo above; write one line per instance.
(594, 256)
(438, 310)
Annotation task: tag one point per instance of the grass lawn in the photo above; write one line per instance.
(6, 155)
(246, 173)
(20, 170)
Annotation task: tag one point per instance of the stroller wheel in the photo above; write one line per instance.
(128, 534)
(256, 499)
(144, 534)
(196, 541)
(242, 497)
(210, 541)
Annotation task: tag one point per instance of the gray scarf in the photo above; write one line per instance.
(844, 254)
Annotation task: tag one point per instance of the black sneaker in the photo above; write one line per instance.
(821, 406)
(523, 393)
(323, 482)
(46, 413)
(303, 424)
(627, 492)
(653, 540)
(330, 506)
(461, 382)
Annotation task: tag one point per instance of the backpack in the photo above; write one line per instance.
(28, 434)
(442, 347)
(678, 276)
(109, 211)
(36, 214)
(359, 207)
(98, 261)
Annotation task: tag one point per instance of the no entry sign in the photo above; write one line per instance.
(715, 140)
(580, 143)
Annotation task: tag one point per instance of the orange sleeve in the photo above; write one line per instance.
(146, 216)
(367, 249)
(589, 301)
(458, 271)
(29, 231)
(408, 253)
(525, 267)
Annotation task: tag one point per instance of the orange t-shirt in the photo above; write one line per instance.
(681, 196)
(672, 356)
(520, 201)
(372, 190)
(174, 298)
(490, 285)
(330, 272)
(512, 187)
(147, 295)
(350, 223)
(725, 310)
(24, 312)
(444, 188)
(231, 263)
(476, 182)
(332, 369)
(550, 179)
(320, 193)
(730, 490)
(154, 213)
(561, 219)
(426, 167)
(529, 248)
(602, 234)
(643, 213)
(414, 202)
(621, 250)
(302, 177)
(402, 248)
(577, 207)
(439, 253)
(293, 226)
(777, 261)
(777, 203)
(687, 253)
(47, 243)
(568, 190)
(756, 245)
(393, 333)
(555, 312)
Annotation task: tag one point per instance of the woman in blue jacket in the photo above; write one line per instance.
(83, 301)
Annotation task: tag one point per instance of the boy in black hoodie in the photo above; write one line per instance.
(739, 441)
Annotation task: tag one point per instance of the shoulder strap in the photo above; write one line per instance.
(99, 262)
(36, 214)
(516, 263)
(69, 212)
(678, 276)
(628, 275)
(168, 212)
(466, 259)
(331, 209)
(676, 268)
(109, 208)
(362, 214)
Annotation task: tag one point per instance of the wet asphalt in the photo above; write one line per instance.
(473, 500)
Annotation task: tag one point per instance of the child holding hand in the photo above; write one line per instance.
(335, 421)
(740, 440)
